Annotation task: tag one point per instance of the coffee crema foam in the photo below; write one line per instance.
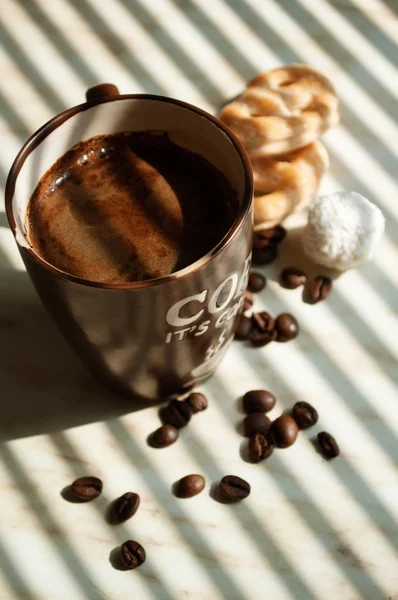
(128, 207)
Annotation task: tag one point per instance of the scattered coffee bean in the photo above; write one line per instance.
(265, 244)
(87, 488)
(263, 331)
(189, 486)
(164, 436)
(248, 301)
(132, 554)
(126, 506)
(244, 327)
(328, 445)
(234, 488)
(287, 327)
(259, 338)
(305, 415)
(176, 413)
(264, 256)
(292, 278)
(256, 423)
(269, 237)
(258, 401)
(263, 321)
(319, 289)
(284, 430)
(278, 234)
(197, 402)
(260, 447)
(101, 90)
(256, 282)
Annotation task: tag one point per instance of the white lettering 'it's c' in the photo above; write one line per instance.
(173, 314)
(229, 314)
(202, 328)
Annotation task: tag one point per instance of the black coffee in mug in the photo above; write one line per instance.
(128, 207)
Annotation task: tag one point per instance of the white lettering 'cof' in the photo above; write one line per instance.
(241, 288)
(173, 314)
(213, 308)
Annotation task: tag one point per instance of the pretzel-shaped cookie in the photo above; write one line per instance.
(282, 110)
(286, 184)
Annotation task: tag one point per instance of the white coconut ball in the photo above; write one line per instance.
(344, 230)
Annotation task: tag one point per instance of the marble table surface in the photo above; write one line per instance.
(311, 529)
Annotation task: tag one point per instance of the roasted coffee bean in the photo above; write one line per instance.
(292, 278)
(164, 436)
(263, 321)
(126, 506)
(256, 423)
(256, 282)
(101, 90)
(189, 486)
(248, 301)
(284, 430)
(263, 331)
(269, 237)
(234, 488)
(319, 289)
(197, 402)
(87, 488)
(258, 401)
(328, 445)
(287, 327)
(176, 413)
(260, 447)
(244, 327)
(264, 256)
(305, 415)
(262, 338)
(132, 554)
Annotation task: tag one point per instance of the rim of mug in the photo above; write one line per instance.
(40, 134)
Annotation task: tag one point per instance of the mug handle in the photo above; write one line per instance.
(101, 91)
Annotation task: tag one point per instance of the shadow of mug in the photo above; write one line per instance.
(44, 385)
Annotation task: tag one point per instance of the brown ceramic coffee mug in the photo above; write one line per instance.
(152, 338)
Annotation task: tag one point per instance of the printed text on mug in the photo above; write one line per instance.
(211, 311)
